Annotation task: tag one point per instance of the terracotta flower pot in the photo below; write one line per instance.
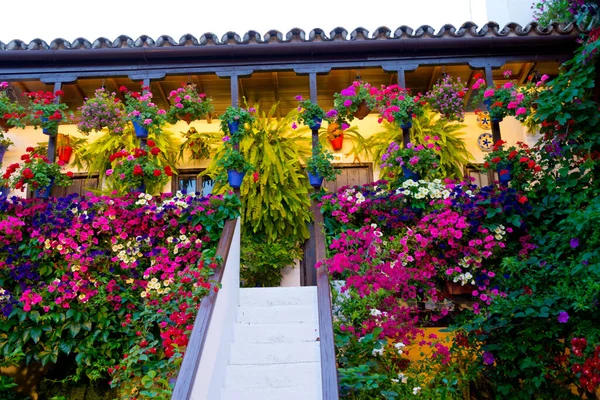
(456, 288)
(185, 117)
(362, 111)
(64, 153)
(338, 142)
(4, 124)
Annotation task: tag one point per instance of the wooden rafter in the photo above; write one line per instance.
(525, 71)
(163, 95)
(435, 75)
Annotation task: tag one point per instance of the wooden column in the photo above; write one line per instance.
(51, 138)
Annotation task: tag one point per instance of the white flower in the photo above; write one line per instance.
(375, 312)
(416, 390)
(377, 352)
(395, 380)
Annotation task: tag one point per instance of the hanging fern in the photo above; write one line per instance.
(275, 197)
(454, 153)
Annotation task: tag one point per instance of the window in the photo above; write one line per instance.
(481, 178)
(188, 181)
(81, 184)
(352, 174)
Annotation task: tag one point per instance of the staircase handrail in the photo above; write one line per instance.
(329, 376)
(193, 354)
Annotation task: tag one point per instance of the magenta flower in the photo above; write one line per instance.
(347, 103)
(563, 317)
(488, 358)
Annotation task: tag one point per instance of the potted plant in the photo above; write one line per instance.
(4, 186)
(5, 143)
(142, 112)
(138, 170)
(235, 120)
(104, 110)
(357, 100)
(38, 173)
(335, 134)
(188, 105)
(46, 111)
(446, 98)
(398, 106)
(319, 166)
(198, 143)
(513, 162)
(311, 114)
(235, 164)
(11, 112)
(415, 162)
(63, 147)
(507, 99)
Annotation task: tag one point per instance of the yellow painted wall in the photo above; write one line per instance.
(511, 129)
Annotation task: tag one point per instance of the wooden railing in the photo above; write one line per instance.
(329, 376)
(191, 360)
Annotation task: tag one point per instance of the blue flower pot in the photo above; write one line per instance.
(4, 192)
(505, 177)
(235, 178)
(315, 123)
(406, 125)
(233, 126)
(140, 129)
(49, 132)
(44, 192)
(140, 189)
(408, 174)
(2, 152)
(315, 180)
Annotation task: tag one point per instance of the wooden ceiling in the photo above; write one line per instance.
(269, 88)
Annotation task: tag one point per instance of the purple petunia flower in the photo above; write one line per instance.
(488, 358)
(574, 243)
(563, 317)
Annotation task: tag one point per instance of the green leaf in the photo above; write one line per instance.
(35, 333)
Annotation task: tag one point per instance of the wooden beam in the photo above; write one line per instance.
(469, 91)
(275, 82)
(435, 75)
(82, 95)
(163, 95)
(242, 91)
(525, 71)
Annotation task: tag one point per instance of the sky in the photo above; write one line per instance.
(70, 19)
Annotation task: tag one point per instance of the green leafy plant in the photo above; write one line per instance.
(5, 141)
(420, 159)
(10, 109)
(311, 114)
(453, 149)
(263, 259)
(446, 98)
(199, 144)
(243, 117)
(319, 163)
(232, 159)
(187, 104)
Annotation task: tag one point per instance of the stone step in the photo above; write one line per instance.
(275, 333)
(275, 314)
(274, 353)
(304, 376)
(278, 296)
(293, 393)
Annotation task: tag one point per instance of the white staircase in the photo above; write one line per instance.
(275, 354)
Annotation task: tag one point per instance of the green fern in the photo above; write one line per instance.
(454, 154)
(277, 204)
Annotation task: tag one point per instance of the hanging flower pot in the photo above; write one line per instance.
(140, 189)
(140, 129)
(407, 124)
(503, 173)
(235, 178)
(4, 124)
(44, 192)
(337, 142)
(362, 111)
(233, 126)
(315, 123)
(315, 180)
(408, 174)
(185, 117)
(48, 131)
(2, 152)
(64, 154)
(4, 192)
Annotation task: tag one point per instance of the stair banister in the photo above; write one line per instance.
(328, 362)
(193, 356)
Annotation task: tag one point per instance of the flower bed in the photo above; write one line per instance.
(111, 283)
